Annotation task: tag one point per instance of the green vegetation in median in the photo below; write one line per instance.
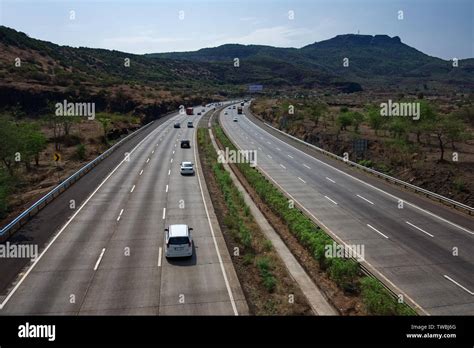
(263, 276)
(344, 272)
(237, 219)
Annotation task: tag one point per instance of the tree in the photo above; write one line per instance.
(357, 119)
(374, 119)
(32, 142)
(105, 122)
(9, 143)
(344, 120)
(428, 115)
(445, 130)
(398, 127)
(316, 111)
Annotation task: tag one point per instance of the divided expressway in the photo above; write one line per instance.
(109, 256)
(412, 248)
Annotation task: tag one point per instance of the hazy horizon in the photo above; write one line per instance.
(145, 26)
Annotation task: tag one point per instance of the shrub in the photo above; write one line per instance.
(264, 266)
(378, 301)
(81, 152)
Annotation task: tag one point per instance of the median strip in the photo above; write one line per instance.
(264, 279)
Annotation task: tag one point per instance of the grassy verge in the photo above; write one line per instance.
(268, 288)
(344, 272)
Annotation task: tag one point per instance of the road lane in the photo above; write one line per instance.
(102, 264)
(413, 260)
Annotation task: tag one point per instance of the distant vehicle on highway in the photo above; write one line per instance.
(233, 107)
(239, 110)
(235, 119)
(187, 168)
(203, 110)
(190, 124)
(177, 125)
(242, 104)
(225, 113)
(185, 144)
(199, 113)
(178, 241)
(189, 111)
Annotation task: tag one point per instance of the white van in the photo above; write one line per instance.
(178, 241)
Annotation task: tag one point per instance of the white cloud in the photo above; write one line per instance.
(143, 43)
(282, 36)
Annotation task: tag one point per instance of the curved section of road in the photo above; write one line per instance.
(430, 258)
(109, 257)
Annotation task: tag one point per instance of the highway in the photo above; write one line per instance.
(109, 257)
(410, 247)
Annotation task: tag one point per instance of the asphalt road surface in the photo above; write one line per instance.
(109, 257)
(414, 249)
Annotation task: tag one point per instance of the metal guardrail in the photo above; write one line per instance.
(21, 219)
(446, 200)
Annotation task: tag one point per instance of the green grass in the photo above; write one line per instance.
(238, 218)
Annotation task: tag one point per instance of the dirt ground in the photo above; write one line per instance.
(454, 180)
(34, 184)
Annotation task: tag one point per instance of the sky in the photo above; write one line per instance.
(440, 28)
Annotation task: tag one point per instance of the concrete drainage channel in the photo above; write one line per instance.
(315, 298)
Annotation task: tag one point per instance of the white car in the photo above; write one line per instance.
(178, 241)
(187, 168)
(235, 119)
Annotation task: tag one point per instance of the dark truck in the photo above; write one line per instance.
(239, 110)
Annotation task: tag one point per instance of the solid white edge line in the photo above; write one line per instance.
(229, 290)
(377, 231)
(367, 184)
(18, 284)
(338, 239)
(100, 259)
(330, 200)
(365, 199)
(462, 287)
(429, 234)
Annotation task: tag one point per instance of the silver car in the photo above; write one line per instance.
(187, 168)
